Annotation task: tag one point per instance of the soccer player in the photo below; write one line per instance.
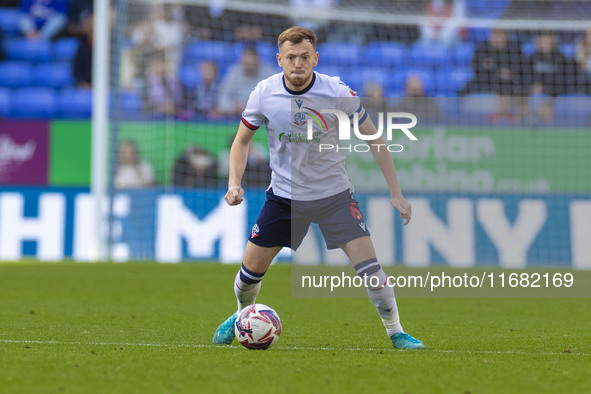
(308, 185)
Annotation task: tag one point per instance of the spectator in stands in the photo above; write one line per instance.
(43, 19)
(240, 81)
(257, 172)
(498, 65)
(80, 10)
(82, 63)
(445, 24)
(132, 172)
(415, 102)
(545, 73)
(164, 32)
(203, 98)
(374, 101)
(583, 59)
(163, 90)
(195, 168)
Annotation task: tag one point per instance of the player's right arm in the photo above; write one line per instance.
(238, 158)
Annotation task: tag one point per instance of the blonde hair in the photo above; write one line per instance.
(297, 34)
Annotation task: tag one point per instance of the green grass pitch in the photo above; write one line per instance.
(147, 328)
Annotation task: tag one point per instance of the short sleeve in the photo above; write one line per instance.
(252, 116)
(349, 102)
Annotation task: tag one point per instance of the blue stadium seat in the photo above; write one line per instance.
(478, 34)
(353, 78)
(9, 21)
(450, 82)
(75, 103)
(54, 75)
(463, 53)
(27, 50)
(429, 54)
(568, 49)
(265, 51)
(5, 102)
(377, 75)
(528, 48)
(387, 54)
(490, 9)
(339, 54)
(130, 104)
(190, 76)
(398, 80)
(15, 74)
(219, 51)
(65, 49)
(34, 103)
(333, 71)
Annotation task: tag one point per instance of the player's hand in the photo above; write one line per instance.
(403, 207)
(234, 195)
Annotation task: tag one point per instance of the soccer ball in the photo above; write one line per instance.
(257, 327)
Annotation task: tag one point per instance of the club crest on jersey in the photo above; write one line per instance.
(299, 118)
(255, 231)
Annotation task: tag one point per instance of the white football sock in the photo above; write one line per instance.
(247, 285)
(381, 295)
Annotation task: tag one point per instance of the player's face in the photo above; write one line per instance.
(298, 62)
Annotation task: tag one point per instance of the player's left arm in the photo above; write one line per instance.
(386, 164)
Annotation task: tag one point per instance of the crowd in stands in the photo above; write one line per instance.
(193, 62)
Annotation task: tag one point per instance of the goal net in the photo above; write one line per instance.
(500, 90)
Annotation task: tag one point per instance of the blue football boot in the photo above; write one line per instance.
(225, 332)
(404, 341)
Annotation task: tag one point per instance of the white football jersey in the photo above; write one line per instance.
(300, 171)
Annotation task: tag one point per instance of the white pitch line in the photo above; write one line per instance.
(208, 346)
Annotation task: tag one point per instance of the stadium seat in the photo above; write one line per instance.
(190, 76)
(54, 75)
(377, 75)
(5, 102)
(398, 80)
(478, 34)
(130, 105)
(9, 21)
(196, 52)
(340, 54)
(490, 9)
(16, 74)
(333, 71)
(450, 82)
(65, 49)
(34, 103)
(265, 50)
(568, 49)
(429, 54)
(75, 103)
(463, 53)
(27, 50)
(386, 54)
(528, 48)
